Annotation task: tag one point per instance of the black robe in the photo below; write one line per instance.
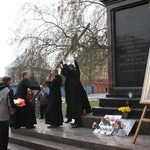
(76, 97)
(54, 109)
(72, 94)
(84, 98)
(25, 116)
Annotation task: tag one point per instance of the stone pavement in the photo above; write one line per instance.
(17, 147)
(86, 135)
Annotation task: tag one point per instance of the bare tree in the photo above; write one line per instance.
(50, 29)
(92, 49)
(31, 61)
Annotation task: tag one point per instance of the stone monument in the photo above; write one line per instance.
(128, 41)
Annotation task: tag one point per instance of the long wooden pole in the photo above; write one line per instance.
(65, 55)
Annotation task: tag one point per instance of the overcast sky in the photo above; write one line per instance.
(8, 13)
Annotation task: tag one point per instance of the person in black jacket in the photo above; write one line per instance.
(25, 117)
(54, 109)
(75, 95)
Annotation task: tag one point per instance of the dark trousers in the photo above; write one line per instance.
(69, 112)
(43, 110)
(4, 134)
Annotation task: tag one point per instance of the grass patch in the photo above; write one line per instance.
(37, 116)
(93, 103)
(64, 105)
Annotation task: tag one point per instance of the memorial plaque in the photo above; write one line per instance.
(132, 42)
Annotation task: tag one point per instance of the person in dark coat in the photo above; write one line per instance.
(72, 94)
(84, 98)
(43, 98)
(54, 115)
(24, 115)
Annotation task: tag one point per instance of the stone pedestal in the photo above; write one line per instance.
(128, 42)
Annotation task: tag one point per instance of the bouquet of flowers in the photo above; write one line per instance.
(109, 121)
(108, 124)
(95, 125)
(118, 124)
(125, 111)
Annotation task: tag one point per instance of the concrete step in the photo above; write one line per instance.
(39, 144)
(110, 105)
(12, 146)
(88, 121)
(134, 114)
(80, 138)
(31, 137)
(118, 102)
(124, 96)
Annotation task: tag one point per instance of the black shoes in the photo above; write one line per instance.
(61, 124)
(73, 123)
(77, 126)
(69, 120)
(16, 127)
(55, 126)
(31, 127)
(52, 126)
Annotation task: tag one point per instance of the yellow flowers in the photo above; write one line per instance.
(126, 109)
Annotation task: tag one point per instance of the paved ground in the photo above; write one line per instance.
(90, 96)
(86, 134)
(142, 142)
